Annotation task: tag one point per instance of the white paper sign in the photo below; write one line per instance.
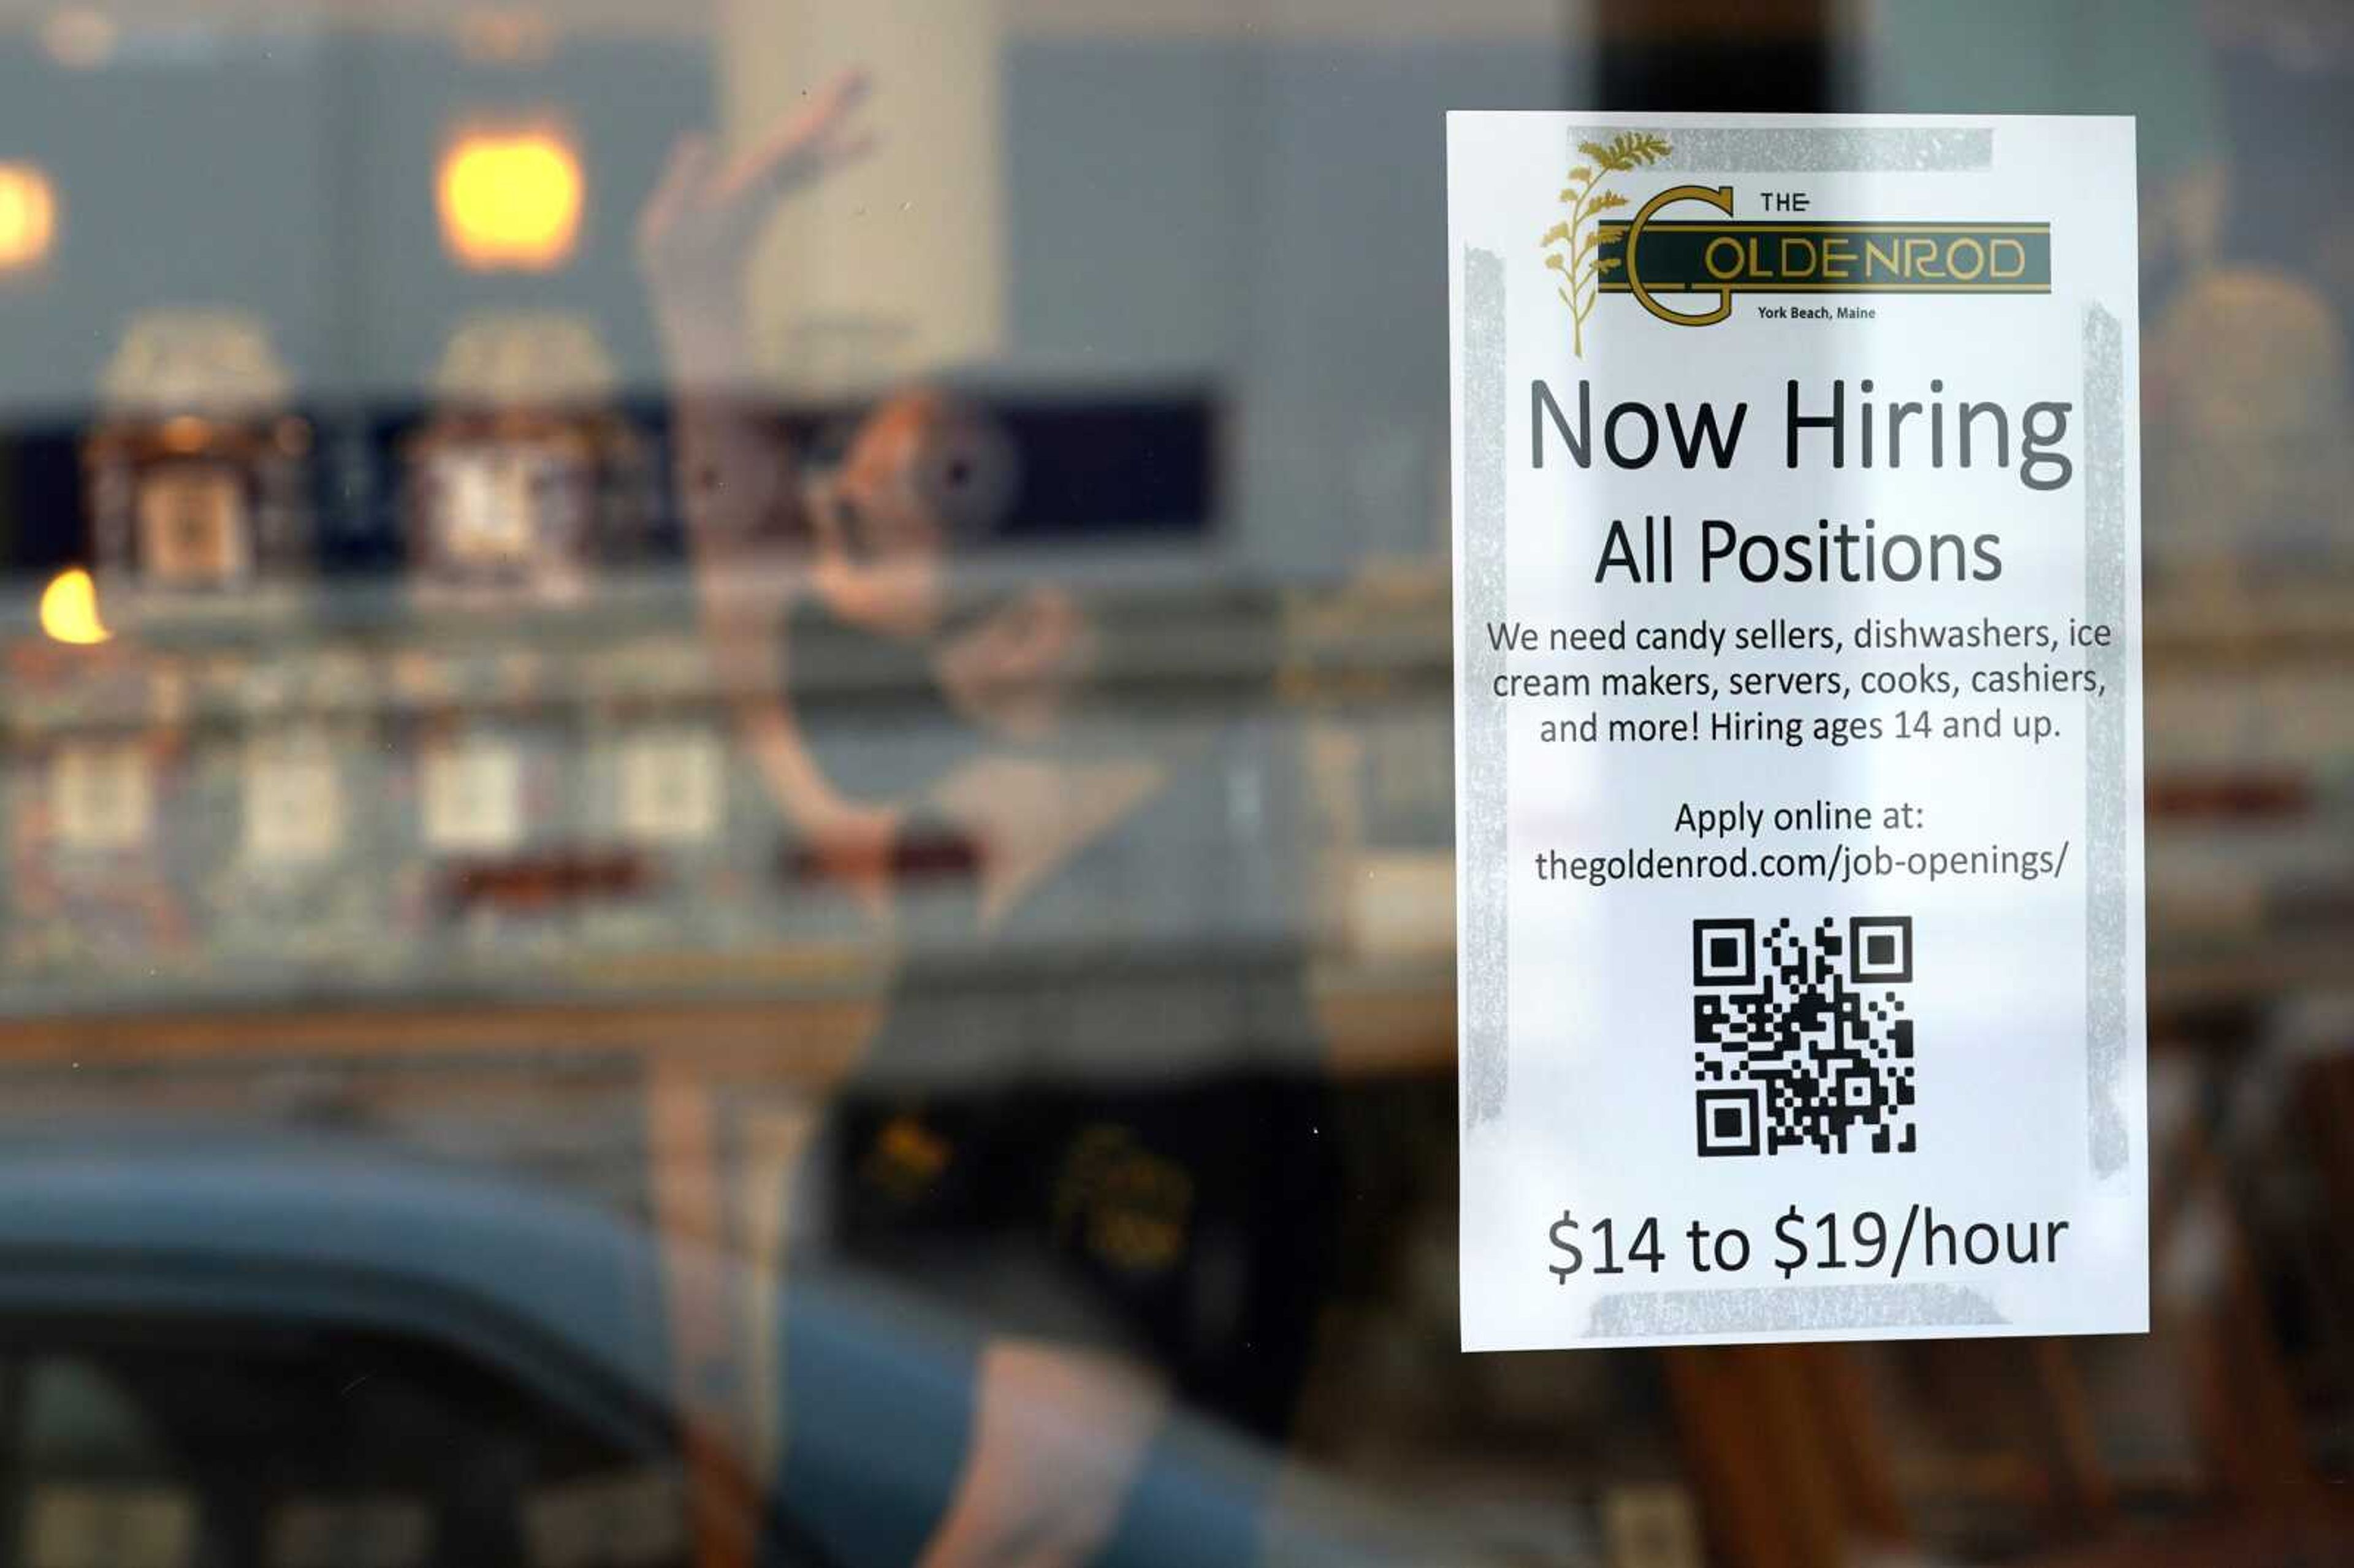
(101, 795)
(673, 786)
(473, 795)
(1798, 728)
(294, 800)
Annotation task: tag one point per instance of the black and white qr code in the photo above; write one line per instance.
(1804, 1041)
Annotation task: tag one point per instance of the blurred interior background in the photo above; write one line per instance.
(367, 779)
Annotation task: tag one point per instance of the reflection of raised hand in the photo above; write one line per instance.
(737, 483)
(697, 232)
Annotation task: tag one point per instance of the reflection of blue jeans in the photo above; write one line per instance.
(1189, 1506)
(878, 1408)
(875, 1424)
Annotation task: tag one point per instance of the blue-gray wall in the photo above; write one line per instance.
(1270, 216)
(291, 174)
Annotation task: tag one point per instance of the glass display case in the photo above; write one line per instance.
(198, 476)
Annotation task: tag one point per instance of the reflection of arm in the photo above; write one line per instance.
(736, 481)
(1059, 1438)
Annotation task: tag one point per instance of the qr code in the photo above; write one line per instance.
(1803, 1037)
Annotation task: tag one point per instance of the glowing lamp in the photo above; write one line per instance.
(511, 201)
(70, 609)
(28, 216)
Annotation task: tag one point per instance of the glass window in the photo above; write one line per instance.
(726, 760)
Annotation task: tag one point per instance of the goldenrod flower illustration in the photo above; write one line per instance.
(1572, 246)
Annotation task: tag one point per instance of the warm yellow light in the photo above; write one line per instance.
(70, 609)
(511, 201)
(28, 216)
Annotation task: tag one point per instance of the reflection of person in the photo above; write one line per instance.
(1128, 1237)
